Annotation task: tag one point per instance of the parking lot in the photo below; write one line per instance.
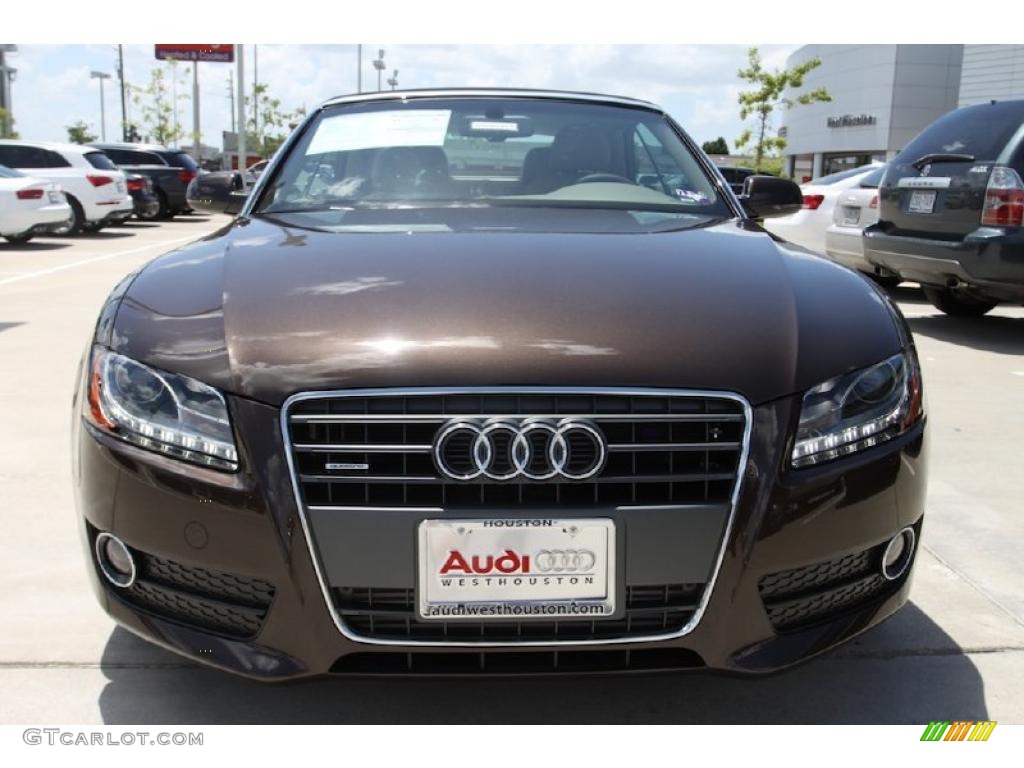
(956, 652)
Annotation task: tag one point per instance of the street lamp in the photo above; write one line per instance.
(393, 80)
(378, 64)
(101, 76)
(6, 78)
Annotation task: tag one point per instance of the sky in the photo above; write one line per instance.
(697, 84)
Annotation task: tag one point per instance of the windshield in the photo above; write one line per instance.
(484, 152)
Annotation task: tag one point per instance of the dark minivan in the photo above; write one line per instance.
(951, 210)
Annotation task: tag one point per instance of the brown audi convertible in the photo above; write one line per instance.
(499, 382)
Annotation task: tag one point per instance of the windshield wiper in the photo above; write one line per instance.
(941, 157)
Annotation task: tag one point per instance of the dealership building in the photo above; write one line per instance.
(884, 95)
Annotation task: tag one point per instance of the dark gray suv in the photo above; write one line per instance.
(951, 210)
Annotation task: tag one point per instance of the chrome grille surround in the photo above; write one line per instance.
(326, 589)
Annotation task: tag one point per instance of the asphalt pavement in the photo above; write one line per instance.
(955, 653)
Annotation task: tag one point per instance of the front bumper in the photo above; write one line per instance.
(989, 260)
(247, 526)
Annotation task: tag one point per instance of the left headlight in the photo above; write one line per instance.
(858, 410)
(160, 411)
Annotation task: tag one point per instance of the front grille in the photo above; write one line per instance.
(390, 614)
(662, 449)
(819, 592)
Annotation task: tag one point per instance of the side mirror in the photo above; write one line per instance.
(765, 197)
(217, 192)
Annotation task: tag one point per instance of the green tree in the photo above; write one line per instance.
(7, 125)
(767, 95)
(79, 133)
(274, 124)
(716, 147)
(156, 104)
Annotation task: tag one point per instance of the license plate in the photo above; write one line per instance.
(120, 186)
(921, 201)
(850, 215)
(502, 569)
(54, 197)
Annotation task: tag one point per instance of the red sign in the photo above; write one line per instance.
(196, 51)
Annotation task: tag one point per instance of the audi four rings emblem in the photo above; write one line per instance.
(565, 560)
(523, 449)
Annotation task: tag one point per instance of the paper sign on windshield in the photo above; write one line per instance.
(412, 128)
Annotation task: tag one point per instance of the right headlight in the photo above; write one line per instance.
(858, 410)
(160, 411)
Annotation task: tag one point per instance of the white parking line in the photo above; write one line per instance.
(72, 265)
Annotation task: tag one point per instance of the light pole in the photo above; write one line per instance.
(101, 76)
(359, 69)
(231, 96)
(124, 100)
(6, 78)
(378, 64)
(393, 80)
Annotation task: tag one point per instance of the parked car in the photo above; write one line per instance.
(856, 208)
(530, 416)
(95, 189)
(169, 171)
(735, 175)
(29, 206)
(147, 204)
(807, 226)
(951, 210)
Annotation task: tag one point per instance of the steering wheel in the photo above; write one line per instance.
(591, 178)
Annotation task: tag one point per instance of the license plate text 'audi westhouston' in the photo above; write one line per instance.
(516, 568)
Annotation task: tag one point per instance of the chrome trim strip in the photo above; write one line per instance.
(472, 93)
(359, 448)
(673, 446)
(338, 418)
(639, 392)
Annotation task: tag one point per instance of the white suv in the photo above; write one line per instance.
(94, 187)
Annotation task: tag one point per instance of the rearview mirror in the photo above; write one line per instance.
(769, 196)
(217, 192)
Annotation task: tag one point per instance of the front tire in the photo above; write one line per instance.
(956, 304)
(17, 239)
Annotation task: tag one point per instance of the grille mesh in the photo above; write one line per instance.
(220, 602)
(390, 614)
(818, 592)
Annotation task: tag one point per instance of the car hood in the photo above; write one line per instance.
(264, 311)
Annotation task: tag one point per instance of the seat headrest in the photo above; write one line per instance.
(580, 147)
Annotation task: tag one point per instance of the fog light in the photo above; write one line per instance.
(115, 560)
(898, 554)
